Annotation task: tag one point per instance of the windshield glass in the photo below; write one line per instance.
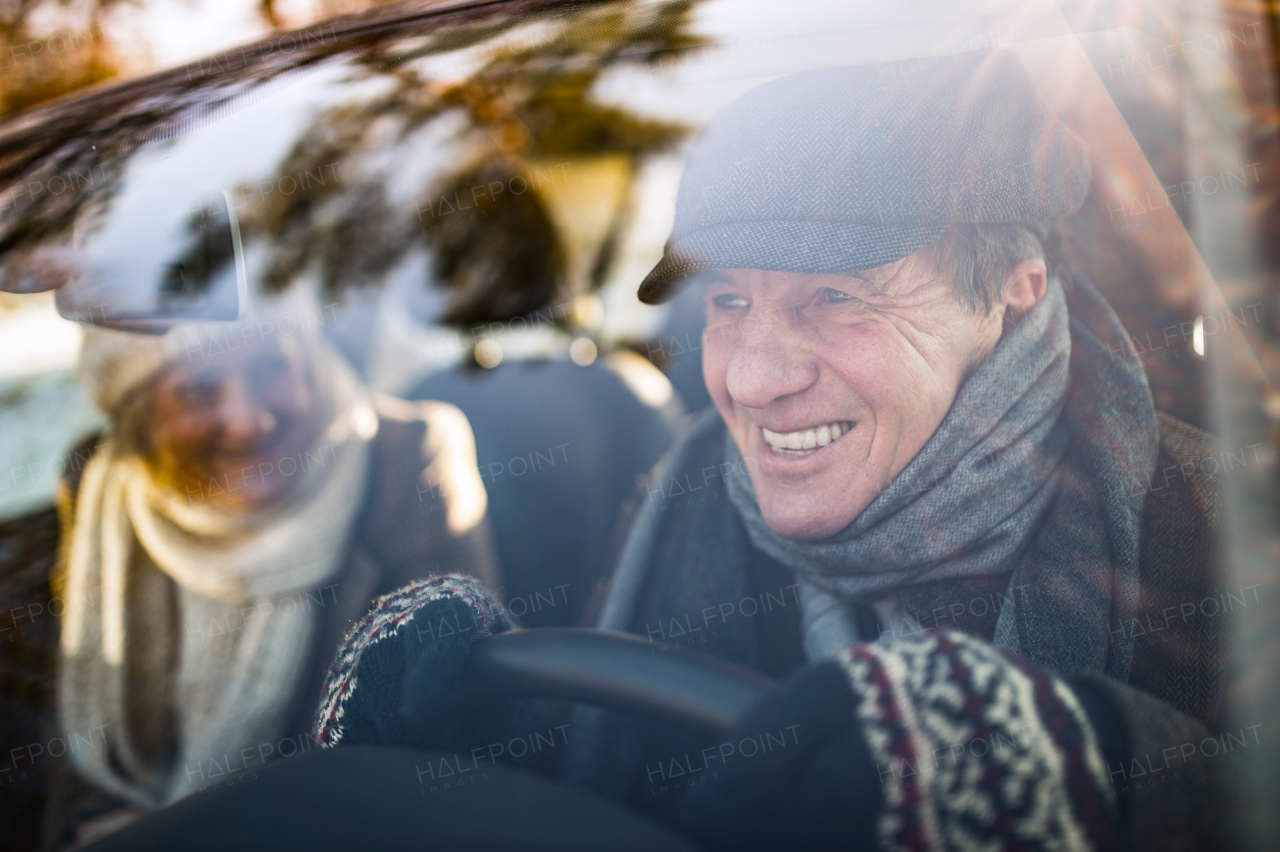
(900, 310)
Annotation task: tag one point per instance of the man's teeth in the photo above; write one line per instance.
(807, 439)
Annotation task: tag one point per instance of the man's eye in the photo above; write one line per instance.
(729, 301)
(832, 295)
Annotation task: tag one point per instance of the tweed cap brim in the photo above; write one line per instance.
(812, 247)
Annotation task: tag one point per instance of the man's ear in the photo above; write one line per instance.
(1024, 288)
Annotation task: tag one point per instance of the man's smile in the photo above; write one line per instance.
(806, 440)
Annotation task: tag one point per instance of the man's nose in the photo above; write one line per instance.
(768, 362)
(243, 418)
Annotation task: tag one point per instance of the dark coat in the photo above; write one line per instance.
(401, 536)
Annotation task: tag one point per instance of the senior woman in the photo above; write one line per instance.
(249, 500)
(921, 497)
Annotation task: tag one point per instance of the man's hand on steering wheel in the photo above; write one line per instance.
(819, 790)
(931, 742)
(398, 675)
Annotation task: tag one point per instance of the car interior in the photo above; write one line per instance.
(454, 203)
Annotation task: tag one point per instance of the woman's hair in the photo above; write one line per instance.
(978, 257)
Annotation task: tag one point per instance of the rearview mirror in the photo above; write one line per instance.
(148, 270)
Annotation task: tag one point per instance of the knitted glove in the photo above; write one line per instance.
(397, 675)
(934, 742)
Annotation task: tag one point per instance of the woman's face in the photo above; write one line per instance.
(218, 429)
(830, 385)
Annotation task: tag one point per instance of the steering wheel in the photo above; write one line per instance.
(375, 798)
(619, 671)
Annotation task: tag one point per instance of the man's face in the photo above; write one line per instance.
(218, 430)
(855, 372)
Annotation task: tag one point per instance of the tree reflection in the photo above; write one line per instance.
(489, 221)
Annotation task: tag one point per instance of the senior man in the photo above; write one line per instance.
(919, 408)
(923, 417)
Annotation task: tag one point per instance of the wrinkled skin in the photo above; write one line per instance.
(216, 429)
(887, 352)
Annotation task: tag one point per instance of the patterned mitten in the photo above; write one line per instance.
(935, 742)
(397, 676)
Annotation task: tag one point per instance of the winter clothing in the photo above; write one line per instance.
(953, 742)
(705, 586)
(153, 552)
(416, 466)
(1025, 485)
(795, 773)
(927, 742)
(410, 651)
(1041, 783)
(847, 169)
(937, 741)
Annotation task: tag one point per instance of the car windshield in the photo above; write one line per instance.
(599, 304)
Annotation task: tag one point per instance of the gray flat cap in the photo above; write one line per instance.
(851, 168)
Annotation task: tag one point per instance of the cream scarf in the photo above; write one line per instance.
(170, 573)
